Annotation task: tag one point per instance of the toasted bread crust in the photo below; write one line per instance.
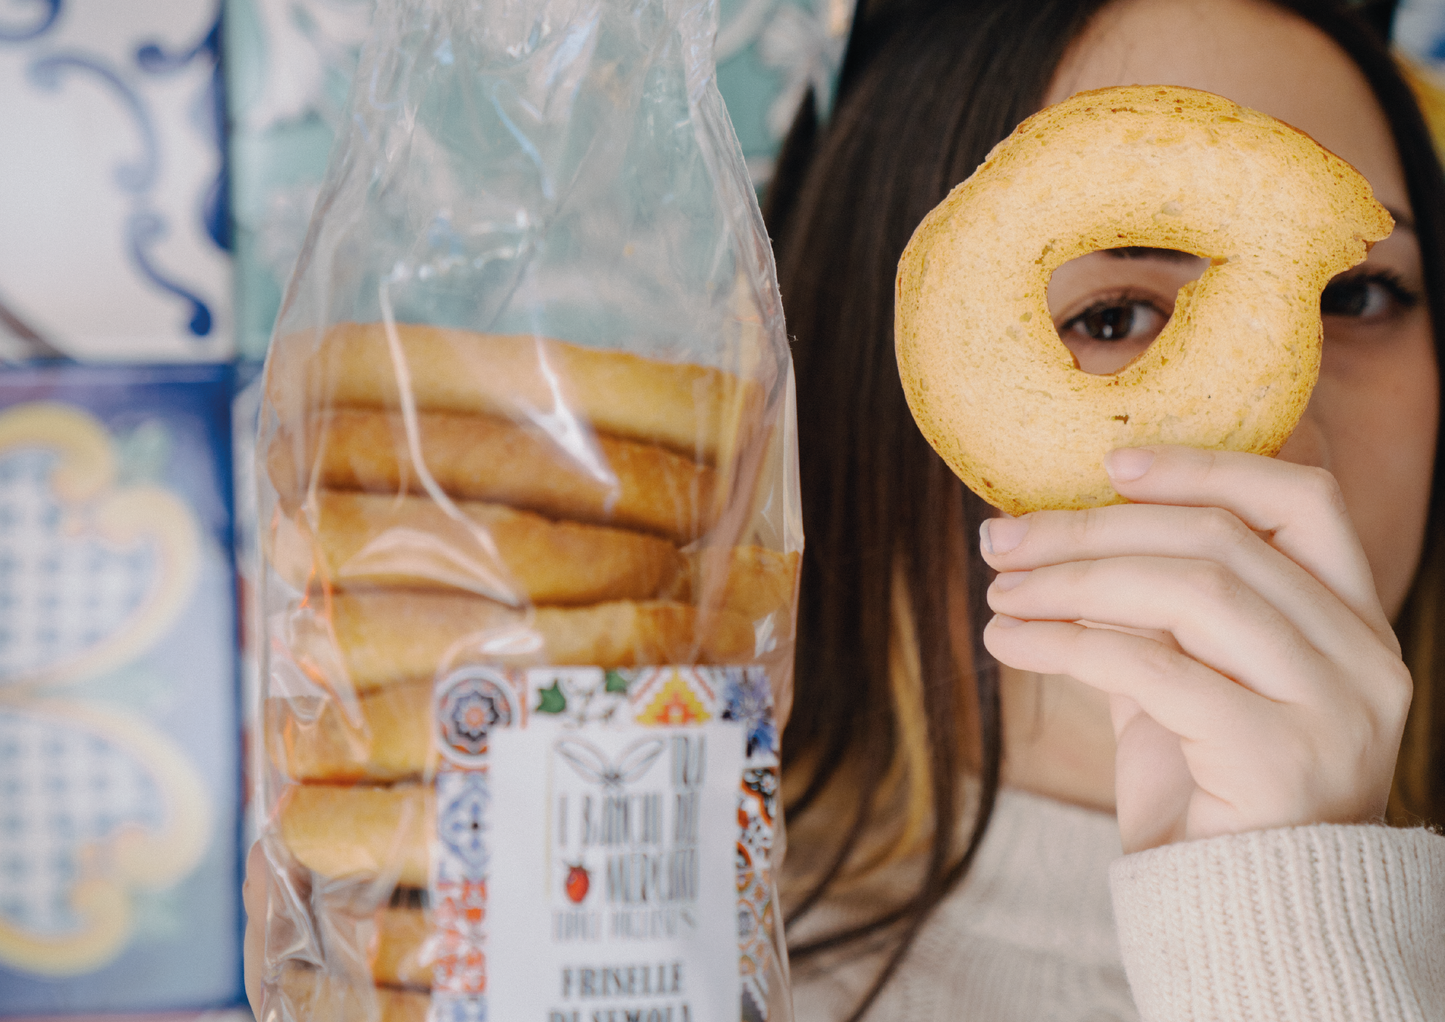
(993, 388)
(360, 832)
(401, 958)
(349, 540)
(694, 410)
(386, 736)
(320, 996)
(476, 457)
(364, 641)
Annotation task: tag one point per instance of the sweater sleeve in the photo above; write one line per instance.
(1307, 924)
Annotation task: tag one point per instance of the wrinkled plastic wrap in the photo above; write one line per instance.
(530, 521)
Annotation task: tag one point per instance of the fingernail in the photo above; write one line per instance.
(1004, 621)
(1000, 535)
(1009, 580)
(1127, 463)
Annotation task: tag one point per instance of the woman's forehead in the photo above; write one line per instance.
(1249, 51)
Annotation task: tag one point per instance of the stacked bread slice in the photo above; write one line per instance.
(514, 501)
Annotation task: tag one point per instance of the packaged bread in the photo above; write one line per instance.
(529, 517)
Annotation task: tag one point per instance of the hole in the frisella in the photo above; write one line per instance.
(1109, 306)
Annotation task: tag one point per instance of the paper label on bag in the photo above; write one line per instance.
(604, 845)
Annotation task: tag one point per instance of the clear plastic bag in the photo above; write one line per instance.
(528, 497)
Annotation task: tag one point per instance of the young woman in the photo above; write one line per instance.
(988, 710)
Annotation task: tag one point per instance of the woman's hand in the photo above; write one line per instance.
(1231, 616)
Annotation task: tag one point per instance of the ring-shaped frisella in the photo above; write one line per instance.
(994, 389)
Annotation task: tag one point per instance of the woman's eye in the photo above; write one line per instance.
(1366, 296)
(1118, 319)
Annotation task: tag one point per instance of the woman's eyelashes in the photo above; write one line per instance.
(1368, 296)
(1128, 315)
(1113, 329)
(1114, 318)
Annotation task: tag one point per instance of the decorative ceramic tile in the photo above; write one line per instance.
(113, 190)
(119, 777)
(1420, 30)
(769, 53)
(289, 68)
(1419, 36)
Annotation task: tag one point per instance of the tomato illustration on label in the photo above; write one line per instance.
(578, 882)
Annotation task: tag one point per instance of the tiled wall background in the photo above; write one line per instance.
(160, 162)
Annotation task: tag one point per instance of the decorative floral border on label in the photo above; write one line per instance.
(470, 703)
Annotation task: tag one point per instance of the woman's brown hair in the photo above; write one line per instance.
(894, 701)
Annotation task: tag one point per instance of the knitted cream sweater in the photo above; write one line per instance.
(1344, 924)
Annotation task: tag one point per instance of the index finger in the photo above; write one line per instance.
(1297, 509)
